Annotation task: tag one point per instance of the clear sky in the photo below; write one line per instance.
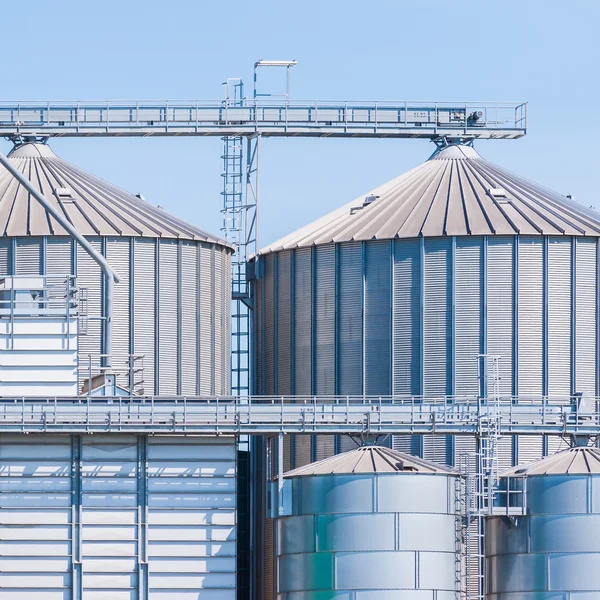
(545, 52)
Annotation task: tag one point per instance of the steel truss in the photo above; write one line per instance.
(453, 415)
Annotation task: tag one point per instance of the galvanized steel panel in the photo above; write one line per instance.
(168, 317)
(118, 254)
(468, 289)
(500, 306)
(284, 323)
(59, 256)
(378, 318)
(559, 316)
(269, 325)
(29, 256)
(407, 317)
(303, 325)
(6, 256)
(189, 319)
(207, 317)
(530, 343)
(221, 362)
(324, 325)
(350, 319)
(437, 329)
(586, 311)
(144, 307)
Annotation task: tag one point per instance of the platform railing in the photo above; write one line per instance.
(456, 415)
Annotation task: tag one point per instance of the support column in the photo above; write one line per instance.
(76, 567)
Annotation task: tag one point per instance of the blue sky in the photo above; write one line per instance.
(543, 52)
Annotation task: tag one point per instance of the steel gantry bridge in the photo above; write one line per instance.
(242, 121)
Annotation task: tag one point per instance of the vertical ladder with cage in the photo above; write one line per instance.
(482, 483)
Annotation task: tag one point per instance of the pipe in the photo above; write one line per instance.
(111, 276)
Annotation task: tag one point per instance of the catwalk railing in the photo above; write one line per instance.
(455, 415)
(307, 118)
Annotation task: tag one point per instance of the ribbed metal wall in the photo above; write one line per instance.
(368, 536)
(552, 551)
(120, 517)
(410, 316)
(172, 304)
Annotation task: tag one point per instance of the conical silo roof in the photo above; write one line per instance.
(454, 193)
(574, 461)
(369, 459)
(92, 205)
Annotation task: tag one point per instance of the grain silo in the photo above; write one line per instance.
(175, 277)
(400, 290)
(370, 523)
(114, 515)
(549, 546)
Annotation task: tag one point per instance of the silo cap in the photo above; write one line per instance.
(574, 461)
(370, 459)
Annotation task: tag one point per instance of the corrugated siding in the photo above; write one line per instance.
(302, 450)
(559, 316)
(468, 313)
(324, 326)
(144, 302)
(29, 256)
(434, 448)
(530, 315)
(302, 325)
(500, 306)
(587, 315)
(189, 318)
(6, 256)
(226, 319)
(118, 255)
(168, 317)
(529, 449)
(269, 324)
(378, 317)
(206, 320)
(407, 317)
(437, 317)
(59, 256)
(220, 330)
(350, 320)
(90, 277)
(284, 323)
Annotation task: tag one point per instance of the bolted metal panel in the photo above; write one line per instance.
(302, 450)
(269, 324)
(6, 256)
(59, 256)
(553, 550)
(284, 324)
(220, 361)
(89, 516)
(435, 448)
(586, 316)
(302, 323)
(207, 317)
(168, 317)
(529, 448)
(407, 317)
(530, 343)
(90, 277)
(189, 318)
(118, 254)
(500, 306)
(144, 307)
(324, 325)
(378, 316)
(468, 313)
(559, 316)
(382, 535)
(437, 341)
(29, 256)
(226, 321)
(259, 320)
(350, 319)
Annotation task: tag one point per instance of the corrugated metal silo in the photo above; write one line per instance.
(553, 550)
(372, 524)
(173, 303)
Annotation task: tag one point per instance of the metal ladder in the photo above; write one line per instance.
(482, 485)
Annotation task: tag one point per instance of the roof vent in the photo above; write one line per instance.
(497, 192)
(369, 199)
(64, 193)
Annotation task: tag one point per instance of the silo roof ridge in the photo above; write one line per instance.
(370, 459)
(573, 461)
(454, 193)
(94, 206)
